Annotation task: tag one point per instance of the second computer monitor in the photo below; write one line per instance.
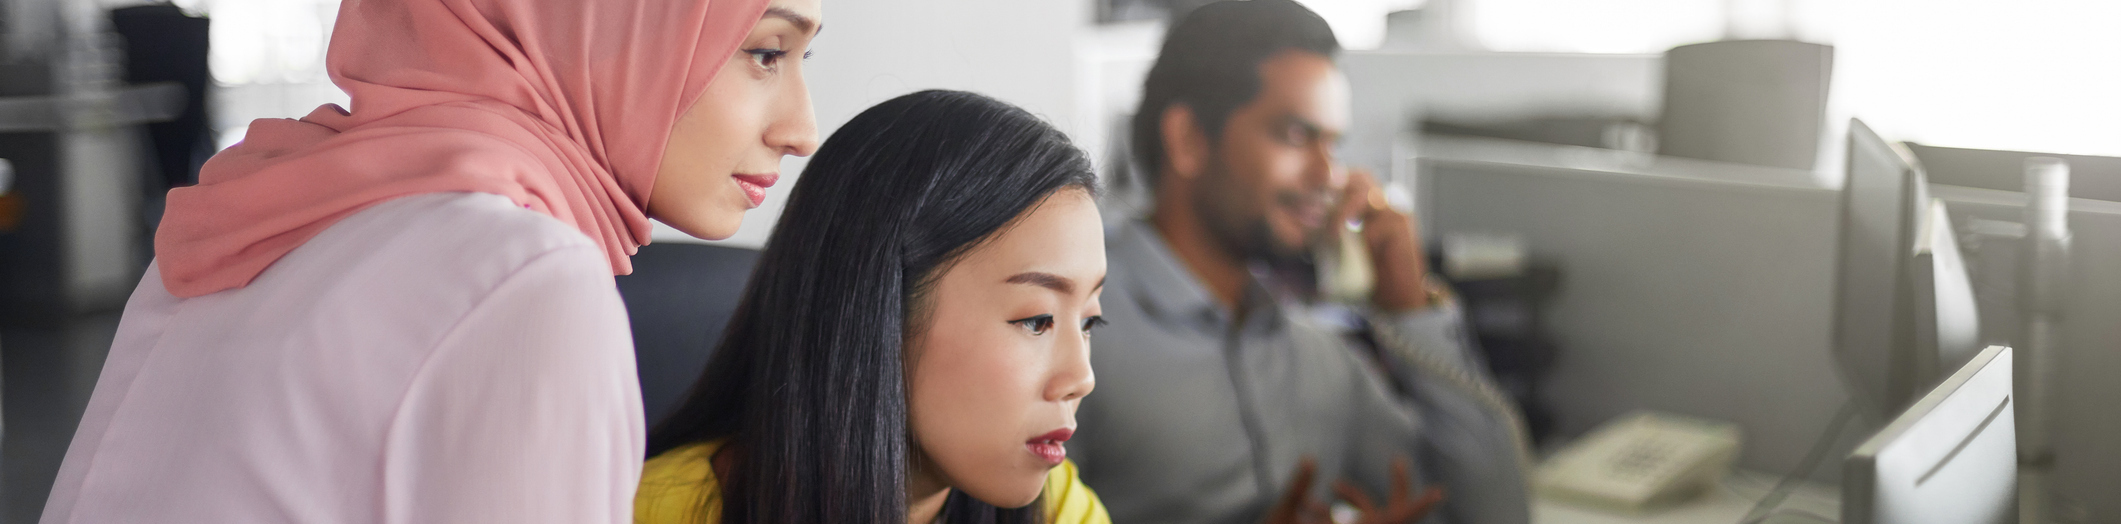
(1904, 310)
(1951, 458)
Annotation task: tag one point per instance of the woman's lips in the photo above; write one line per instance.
(1049, 448)
(755, 186)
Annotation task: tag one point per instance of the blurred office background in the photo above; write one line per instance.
(1679, 200)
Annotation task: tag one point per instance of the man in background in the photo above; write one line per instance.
(1219, 398)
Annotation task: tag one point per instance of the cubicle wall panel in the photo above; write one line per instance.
(2085, 438)
(1697, 297)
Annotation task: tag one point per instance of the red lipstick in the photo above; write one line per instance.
(1048, 447)
(755, 186)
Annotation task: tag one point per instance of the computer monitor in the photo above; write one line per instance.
(1904, 310)
(1951, 458)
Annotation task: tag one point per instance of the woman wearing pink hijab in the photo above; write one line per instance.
(405, 312)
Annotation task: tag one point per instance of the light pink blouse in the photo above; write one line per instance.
(445, 357)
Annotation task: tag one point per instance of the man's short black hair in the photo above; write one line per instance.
(1210, 62)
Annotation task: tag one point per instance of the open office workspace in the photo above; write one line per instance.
(1803, 319)
(1377, 261)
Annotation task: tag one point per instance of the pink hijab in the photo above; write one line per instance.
(562, 105)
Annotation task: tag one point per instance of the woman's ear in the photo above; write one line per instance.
(1185, 143)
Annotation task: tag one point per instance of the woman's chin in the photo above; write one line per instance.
(1018, 494)
(709, 228)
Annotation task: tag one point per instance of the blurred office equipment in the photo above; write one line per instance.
(2091, 177)
(1693, 287)
(1504, 297)
(1759, 102)
(7, 178)
(1116, 11)
(1951, 458)
(10, 204)
(1640, 462)
(72, 131)
(1904, 308)
(679, 298)
(1477, 255)
(164, 44)
(2081, 422)
(1708, 289)
(1607, 132)
(1513, 95)
(2043, 278)
(71, 245)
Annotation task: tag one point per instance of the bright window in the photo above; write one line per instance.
(2035, 75)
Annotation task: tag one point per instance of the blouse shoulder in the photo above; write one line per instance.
(433, 255)
(679, 487)
(1069, 501)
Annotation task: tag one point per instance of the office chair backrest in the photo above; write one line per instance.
(679, 298)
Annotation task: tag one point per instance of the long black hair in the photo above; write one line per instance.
(808, 384)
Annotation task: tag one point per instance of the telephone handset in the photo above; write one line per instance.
(1640, 461)
(1343, 266)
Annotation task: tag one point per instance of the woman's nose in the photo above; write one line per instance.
(1072, 377)
(794, 128)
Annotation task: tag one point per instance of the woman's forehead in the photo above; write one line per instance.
(1061, 237)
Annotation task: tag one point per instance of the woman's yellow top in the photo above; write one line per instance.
(678, 487)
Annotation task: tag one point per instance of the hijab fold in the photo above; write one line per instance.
(563, 106)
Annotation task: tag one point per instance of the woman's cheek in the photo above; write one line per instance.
(989, 374)
(991, 387)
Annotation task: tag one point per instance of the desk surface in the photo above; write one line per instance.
(1725, 504)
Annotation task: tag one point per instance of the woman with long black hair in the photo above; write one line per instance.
(915, 340)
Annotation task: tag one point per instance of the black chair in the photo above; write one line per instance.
(679, 298)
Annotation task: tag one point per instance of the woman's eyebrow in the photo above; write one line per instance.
(1044, 280)
(802, 23)
(1062, 284)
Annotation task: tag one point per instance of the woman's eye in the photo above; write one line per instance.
(770, 59)
(1092, 323)
(1037, 325)
(766, 58)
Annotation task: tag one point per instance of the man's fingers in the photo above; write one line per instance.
(1354, 495)
(1293, 498)
(1402, 477)
(1430, 497)
(1316, 512)
(1420, 508)
(1356, 196)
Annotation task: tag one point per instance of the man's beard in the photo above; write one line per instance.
(1239, 229)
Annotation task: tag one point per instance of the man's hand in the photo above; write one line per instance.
(1393, 241)
(1296, 506)
(1404, 506)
